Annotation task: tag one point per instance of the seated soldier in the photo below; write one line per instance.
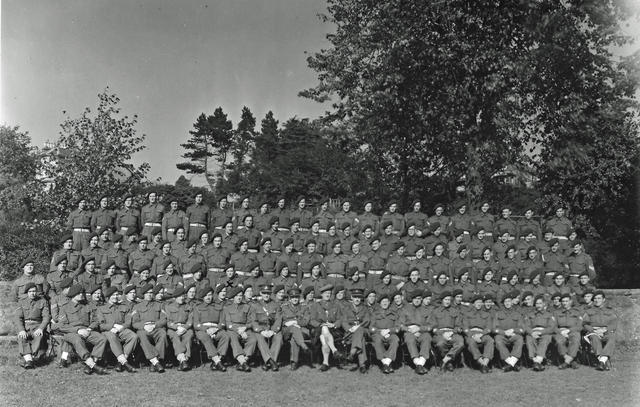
(295, 318)
(446, 326)
(149, 320)
(355, 320)
(79, 328)
(508, 325)
(207, 323)
(179, 324)
(540, 326)
(384, 331)
(600, 323)
(567, 337)
(265, 318)
(325, 317)
(114, 325)
(236, 321)
(413, 322)
(32, 317)
(56, 302)
(477, 324)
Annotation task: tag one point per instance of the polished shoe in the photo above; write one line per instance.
(129, 368)
(119, 368)
(516, 367)
(563, 366)
(245, 367)
(294, 366)
(324, 368)
(448, 366)
(218, 366)
(28, 364)
(386, 369)
(274, 365)
(600, 366)
(607, 365)
(87, 370)
(99, 370)
(484, 369)
(158, 368)
(508, 368)
(573, 364)
(183, 366)
(266, 365)
(364, 369)
(63, 363)
(421, 370)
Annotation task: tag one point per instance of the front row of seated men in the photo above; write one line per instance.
(224, 317)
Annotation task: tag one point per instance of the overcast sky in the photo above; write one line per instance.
(168, 61)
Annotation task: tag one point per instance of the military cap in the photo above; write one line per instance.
(462, 271)
(278, 288)
(553, 242)
(110, 291)
(326, 287)
(66, 282)
(246, 215)
(289, 241)
(294, 221)
(144, 238)
(294, 292)
(314, 264)
(142, 290)
(511, 274)
(427, 293)
(254, 264)
(351, 271)
(369, 291)
(178, 291)
(217, 234)
(300, 198)
(526, 294)
(156, 231)
(456, 291)
(538, 297)
(273, 219)
(460, 204)
(558, 274)
(220, 288)
(27, 261)
(512, 247)
(386, 224)
(476, 297)
(338, 288)
(478, 229)
(599, 292)
(413, 294)
(508, 295)
(93, 288)
(384, 274)
(94, 234)
(127, 196)
(445, 294)
(266, 289)
(204, 291)
(565, 295)
(233, 291)
(488, 297)
(576, 243)
(241, 241)
(197, 267)
(485, 271)
(367, 226)
(314, 221)
(587, 291)
(438, 205)
(87, 261)
(584, 273)
(74, 290)
(442, 273)
(157, 289)
(414, 202)
(306, 291)
(345, 225)
(265, 240)
(527, 232)
(356, 293)
(461, 248)
(246, 287)
(503, 231)
(382, 296)
(397, 245)
(65, 238)
(531, 248)
(28, 286)
(374, 238)
(281, 266)
(128, 288)
(117, 237)
(167, 263)
(335, 243)
(191, 243)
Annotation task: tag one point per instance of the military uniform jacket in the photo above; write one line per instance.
(335, 264)
(36, 310)
(102, 219)
(236, 316)
(252, 235)
(219, 217)
(384, 319)
(74, 316)
(412, 315)
(88, 280)
(569, 318)
(170, 282)
(477, 321)
(485, 220)
(299, 313)
(127, 218)
(74, 259)
(541, 319)
(120, 256)
(158, 261)
(139, 260)
(107, 315)
(151, 213)
(56, 277)
(79, 219)
(412, 244)
(506, 225)
(323, 312)
(326, 219)
(17, 287)
(560, 226)
(204, 314)
(148, 311)
(377, 260)
(217, 257)
(305, 216)
(398, 266)
(600, 317)
(439, 264)
(265, 315)
(198, 214)
(505, 319)
(242, 261)
(267, 261)
(177, 314)
(447, 318)
(173, 220)
(355, 315)
(420, 219)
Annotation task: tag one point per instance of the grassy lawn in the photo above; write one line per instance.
(50, 386)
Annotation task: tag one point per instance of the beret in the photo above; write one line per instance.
(460, 205)
(94, 234)
(356, 293)
(86, 261)
(294, 292)
(398, 245)
(241, 241)
(415, 201)
(386, 224)
(478, 229)
(445, 294)
(335, 243)
(28, 286)
(293, 221)
(110, 291)
(233, 291)
(117, 237)
(384, 274)
(462, 271)
(178, 292)
(512, 274)
(382, 296)
(558, 274)
(314, 221)
(128, 288)
(370, 291)
(512, 247)
(503, 231)
(110, 263)
(442, 273)
(414, 294)
(538, 297)
(553, 242)
(338, 288)
(93, 288)
(277, 288)
(265, 240)
(599, 292)
(282, 265)
(508, 295)
(195, 268)
(145, 288)
(157, 289)
(438, 205)
(167, 263)
(456, 291)
(584, 273)
(66, 282)
(374, 238)
(127, 196)
(254, 265)
(300, 198)
(273, 219)
(489, 296)
(27, 261)
(246, 215)
(247, 288)
(476, 297)
(462, 247)
(485, 271)
(204, 232)
(587, 291)
(191, 243)
(526, 294)
(204, 291)
(527, 231)
(565, 295)
(217, 234)
(548, 230)
(576, 243)
(366, 226)
(75, 290)
(142, 238)
(427, 293)
(531, 248)
(156, 231)
(345, 225)
(306, 243)
(351, 271)
(65, 238)
(220, 288)
(326, 287)
(306, 291)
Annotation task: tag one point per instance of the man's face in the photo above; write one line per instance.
(337, 248)
(355, 248)
(267, 246)
(166, 249)
(153, 197)
(560, 212)
(481, 234)
(128, 202)
(223, 203)
(559, 279)
(566, 302)
(131, 295)
(371, 298)
(506, 213)
(144, 274)
(508, 302)
(68, 244)
(533, 253)
(598, 300)
(485, 207)
(244, 247)
(104, 202)
(442, 279)
(577, 249)
(384, 303)
(191, 293)
(416, 301)
(31, 293)
(90, 266)
(439, 249)
(104, 236)
(457, 299)
(174, 206)
(539, 304)
(368, 207)
(245, 203)
(375, 245)
(588, 297)
(411, 231)
(584, 279)
(439, 210)
(180, 234)
(315, 228)
(93, 242)
(62, 266)
(209, 297)
(96, 295)
(346, 206)
(198, 199)
(324, 206)
(281, 203)
(237, 299)
(462, 209)
(28, 269)
(169, 270)
(356, 300)
(295, 300)
(528, 214)
(392, 208)
(228, 228)
(326, 295)
(446, 301)
(488, 304)
(266, 297)
(302, 203)
(142, 245)
(204, 239)
(248, 221)
(477, 304)
(417, 206)
(82, 204)
(114, 298)
(148, 296)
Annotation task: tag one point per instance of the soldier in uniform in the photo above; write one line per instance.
(191, 258)
(80, 327)
(127, 217)
(559, 224)
(439, 217)
(55, 278)
(32, 317)
(413, 322)
(197, 215)
(149, 320)
(396, 219)
(346, 215)
(541, 325)
(28, 276)
(578, 262)
(508, 326)
(485, 220)
(325, 319)
(115, 326)
(179, 324)
(265, 318)
(529, 223)
(236, 321)
(87, 275)
(325, 217)
(209, 326)
(74, 258)
(221, 215)
(368, 218)
(567, 336)
(151, 214)
(103, 218)
(301, 212)
(418, 218)
(141, 258)
(175, 218)
(600, 323)
(461, 220)
(446, 325)
(384, 332)
(267, 259)
(295, 318)
(506, 224)
(477, 325)
(79, 221)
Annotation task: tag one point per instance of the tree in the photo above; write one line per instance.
(92, 157)
(267, 140)
(243, 137)
(222, 130)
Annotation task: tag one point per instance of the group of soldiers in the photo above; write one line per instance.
(242, 279)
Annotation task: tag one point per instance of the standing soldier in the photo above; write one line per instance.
(94, 250)
(175, 218)
(506, 223)
(142, 258)
(32, 317)
(305, 215)
(368, 218)
(283, 214)
(485, 220)
(179, 324)
(240, 213)
(461, 220)
(114, 324)
(74, 258)
(151, 214)
(235, 319)
(79, 327)
(54, 279)
(529, 223)
(396, 219)
(28, 276)
(413, 321)
(439, 217)
(149, 320)
(127, 217)
(198, 216)
(220, 215)
(79, 221)
(346, 215)
(540, 326)
(103, 218)
(208, 324)
(325, 217)
(265, 317)
(116, 254)
(559, 224)
(419, 219)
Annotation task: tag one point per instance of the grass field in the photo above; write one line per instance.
(51, 386)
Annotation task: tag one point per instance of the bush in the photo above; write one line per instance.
(19, 242)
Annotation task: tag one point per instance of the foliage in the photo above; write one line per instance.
(19, 241)
(91, 158)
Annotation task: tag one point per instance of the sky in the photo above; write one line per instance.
(167, 60)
